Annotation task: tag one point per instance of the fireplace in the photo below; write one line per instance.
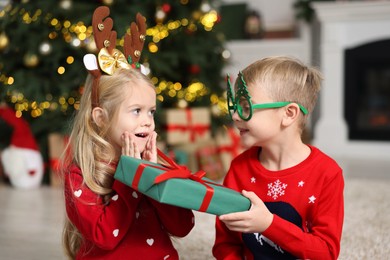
(352, 118)
(367, 91)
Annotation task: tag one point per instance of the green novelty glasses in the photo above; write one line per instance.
(242, 101)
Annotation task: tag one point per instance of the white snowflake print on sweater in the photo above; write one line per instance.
(276, 189)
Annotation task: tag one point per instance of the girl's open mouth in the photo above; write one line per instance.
(243, 131)
(141, 135)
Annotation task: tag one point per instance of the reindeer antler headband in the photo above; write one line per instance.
(109, 58)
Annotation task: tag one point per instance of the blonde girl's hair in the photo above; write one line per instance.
(285, 78)
(90, 146)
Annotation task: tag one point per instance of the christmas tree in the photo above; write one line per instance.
(42, 44)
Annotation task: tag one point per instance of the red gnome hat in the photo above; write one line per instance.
(21, 160)
(22, 136)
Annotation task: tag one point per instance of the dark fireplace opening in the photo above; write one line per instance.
(367, 91)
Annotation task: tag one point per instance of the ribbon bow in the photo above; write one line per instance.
(173, 170)
(110, 62)
(177, 171)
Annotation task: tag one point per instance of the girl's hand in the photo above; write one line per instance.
(129, 147)
(256, 220)
(150, 152)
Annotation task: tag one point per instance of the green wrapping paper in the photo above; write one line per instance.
(175, 185)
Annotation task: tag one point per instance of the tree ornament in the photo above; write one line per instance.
(196, 15)
(226, 54)
(4, 41)
(205, 7)
(45, 48)
(194, 69)
(31, 60)
(160, 15)
(182, 103)
(75, 42)
(66, 4)
(166, 8)
(108, 2)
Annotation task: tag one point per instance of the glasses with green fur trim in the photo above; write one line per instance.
(242, 103)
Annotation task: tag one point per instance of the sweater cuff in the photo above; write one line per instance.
(274, 228)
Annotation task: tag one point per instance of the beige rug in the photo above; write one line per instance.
(31, 221)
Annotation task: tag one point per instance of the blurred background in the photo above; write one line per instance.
(190, 46)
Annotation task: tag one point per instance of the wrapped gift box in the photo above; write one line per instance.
(177, 155)
(57, 143)
(228, 145)
(192, 151)
(176, 185)
(210, 161)
(186, 125)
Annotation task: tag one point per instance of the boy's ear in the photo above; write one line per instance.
(292, 112)
(98, 116)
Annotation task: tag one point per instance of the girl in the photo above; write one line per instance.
(107, 219)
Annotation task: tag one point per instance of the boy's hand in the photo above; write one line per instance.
(129, 147)
(150, 152)
(256, 220)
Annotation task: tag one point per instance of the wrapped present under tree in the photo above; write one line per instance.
(228, 145)
(210, 161)
(186, 125)
(174, 184)
(57, 145)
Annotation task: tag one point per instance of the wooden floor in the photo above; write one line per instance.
(31, 223)
(31, 220)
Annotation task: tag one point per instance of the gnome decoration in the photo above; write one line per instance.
(21, 159)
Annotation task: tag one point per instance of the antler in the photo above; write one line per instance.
(102, 30)
(134, 42)
(110, 58)
(104, 38)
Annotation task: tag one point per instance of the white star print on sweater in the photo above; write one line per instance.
(313, 190)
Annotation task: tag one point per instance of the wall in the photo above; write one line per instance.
(276, 14)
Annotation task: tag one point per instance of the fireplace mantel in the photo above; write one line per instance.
(345, 24)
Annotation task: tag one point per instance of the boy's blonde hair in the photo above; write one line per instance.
(89, 144)
(286, 79)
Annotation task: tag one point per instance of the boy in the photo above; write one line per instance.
(296, 191)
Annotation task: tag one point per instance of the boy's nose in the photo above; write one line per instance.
(235, 116)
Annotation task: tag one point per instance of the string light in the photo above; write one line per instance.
(79, 35)
(76, 34)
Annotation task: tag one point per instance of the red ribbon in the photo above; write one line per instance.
(55, 163)
(138, 173)
(233, 147)
(195, 129)
(173, 170)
